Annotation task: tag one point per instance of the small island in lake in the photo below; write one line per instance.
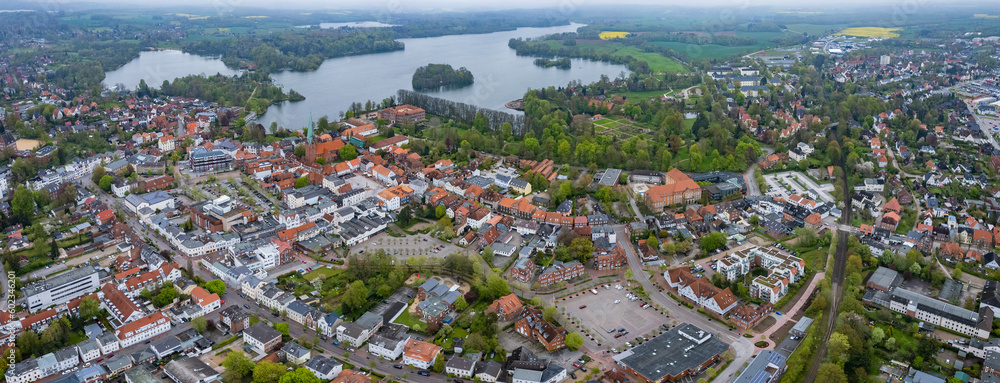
(561, 63)
(436, 76)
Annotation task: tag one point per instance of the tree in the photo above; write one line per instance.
(495, 288)
(438, 363)
(488, 253)
(877, 335)
(807, 236)
(713, 241)
(29, 343)
(89, 307)
(583, 247)
(696, 158)
(267, 372)
(957, 272)
(105, 183)
(440, 211)
(460, 304)
(831, 372)
(838, 344)
(300, 151)
(282, 328)
(299, 375)
(549, 313)
(237, 367)
(99, 172)
(23, 206)
(356, 295)
(199, 324)
(573, 341)
(217, 286)
(302, 182)
(347, 152)
(321, 160)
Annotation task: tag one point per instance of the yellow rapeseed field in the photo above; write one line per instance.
(608, 35)
(871, 32)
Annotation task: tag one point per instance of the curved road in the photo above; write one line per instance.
(742, 348)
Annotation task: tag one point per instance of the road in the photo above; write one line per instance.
(750, 178)
(742, 348)
(979, 121)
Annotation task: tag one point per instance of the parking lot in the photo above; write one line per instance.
(782, 185)
(370, 186)
(601, 315)
(409, 246)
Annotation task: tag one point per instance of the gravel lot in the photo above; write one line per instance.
(409, 246)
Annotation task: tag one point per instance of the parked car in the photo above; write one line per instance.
(575, 364)
(398, 367)
(619, 335)
(617, 301)
(335, 343)
(424, 373)
(583, 307)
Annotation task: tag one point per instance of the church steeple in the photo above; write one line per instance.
(311, 133)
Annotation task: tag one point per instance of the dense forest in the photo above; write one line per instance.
(226, 90)
(436, 76)
(295, 50)
(530, 48)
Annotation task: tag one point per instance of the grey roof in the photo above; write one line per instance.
(67, 353)
(489, 367)
(950, 290)
(764, 366)
(88, 346)
(917, 376)
(59, 280)
(369, 320)
(525, 375)
(322, 364)
(139, 374)
(429, 285)
(294, 349)
(189, 370)
(117, 362)
(167, 344)
(461, 363)
(261, 332)
(885, 277)
(802, 325)
(22, 367)
(684, 347)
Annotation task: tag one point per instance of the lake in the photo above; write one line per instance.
(353, 24)
(501, 75)
(156, 66)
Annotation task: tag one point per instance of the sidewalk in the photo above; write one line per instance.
(790, 313)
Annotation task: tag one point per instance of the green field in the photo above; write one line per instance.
(657, 62)
(702, 51)
(322, 271)
(633, 96)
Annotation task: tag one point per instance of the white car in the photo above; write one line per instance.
(618, 301)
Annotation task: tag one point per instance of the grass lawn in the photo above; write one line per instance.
(457, 332)
(407, 320)
(253, 320)
(632, 96)
(323, 271)
(657, 62)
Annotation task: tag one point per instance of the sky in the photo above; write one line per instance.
(419, 5)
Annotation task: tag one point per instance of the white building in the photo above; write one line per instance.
(61, 288)
(142, 329)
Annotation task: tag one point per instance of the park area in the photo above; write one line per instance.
(619, 127)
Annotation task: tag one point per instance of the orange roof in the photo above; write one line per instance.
(421, 350)
(893, 205)
(132, 327)
(506, 304)
(203, 297)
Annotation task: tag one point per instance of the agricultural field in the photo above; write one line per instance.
(871, 32)
(657, 62)
(704, 51)
(608, 35)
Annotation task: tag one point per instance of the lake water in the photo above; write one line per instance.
(156, 66)
(353, 24)
(501, 75)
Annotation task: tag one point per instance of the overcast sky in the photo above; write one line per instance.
(418, 5)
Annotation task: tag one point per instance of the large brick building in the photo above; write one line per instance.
(403, 114)
(534, 326)
(679, 189)
(560, 271)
